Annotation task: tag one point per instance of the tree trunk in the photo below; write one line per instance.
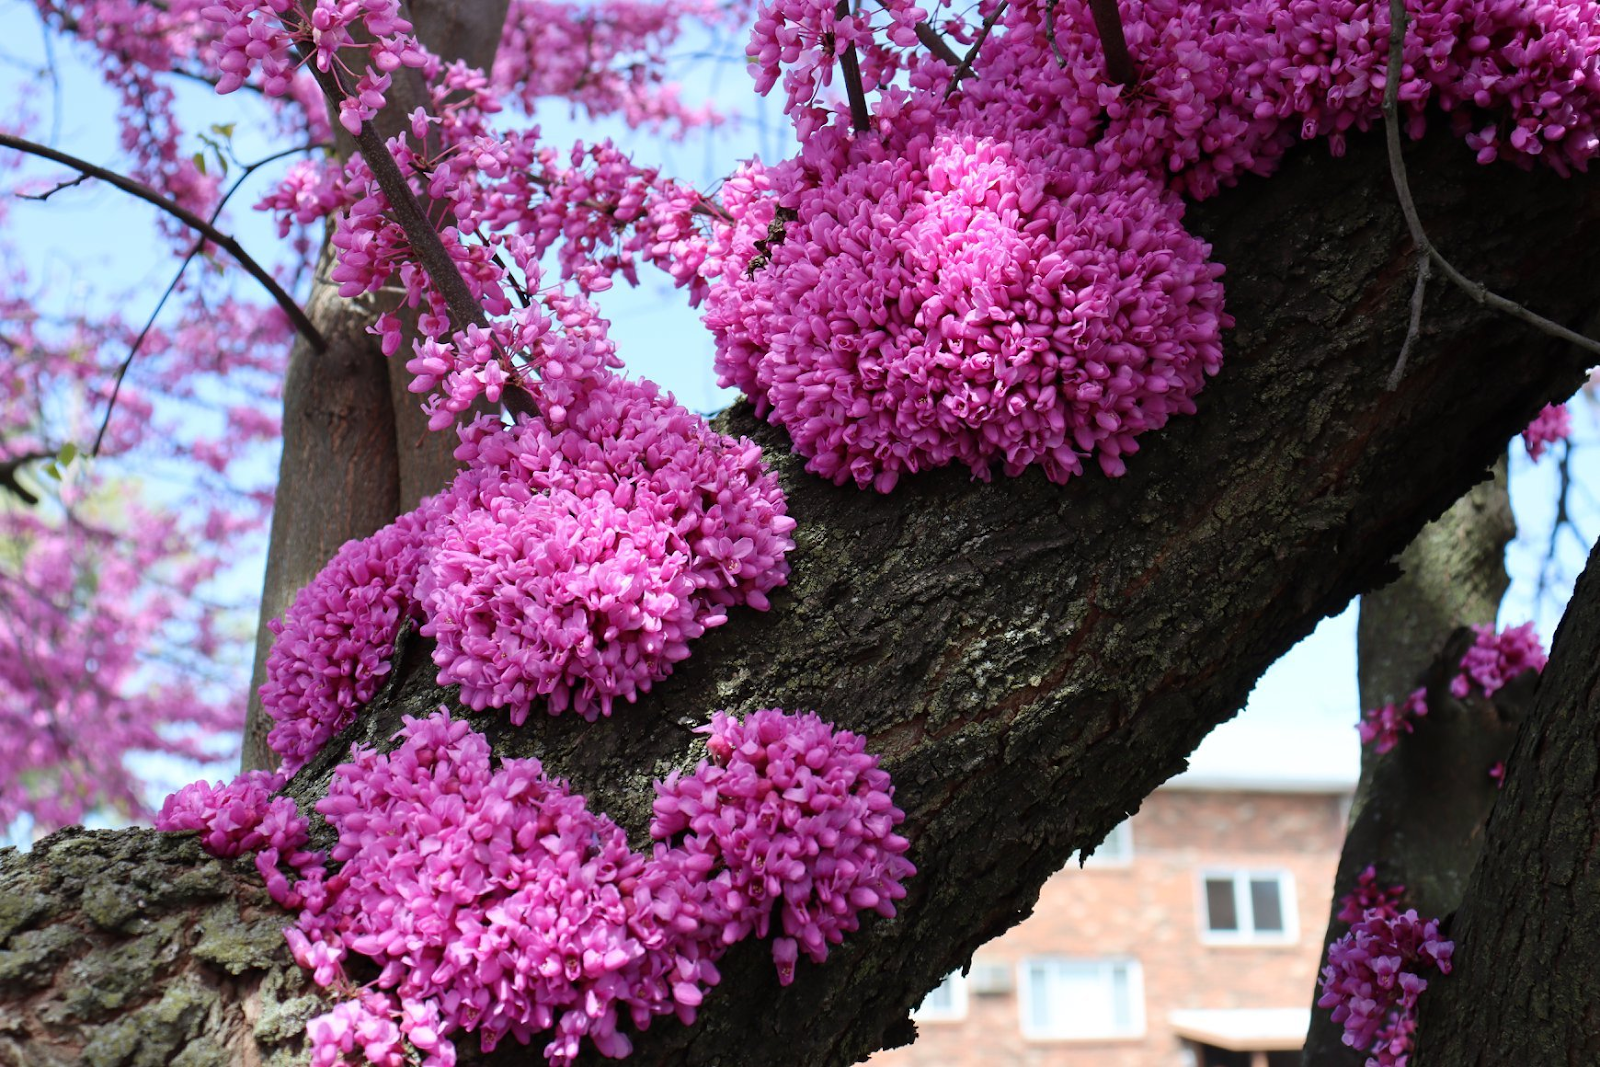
(1032, 660)
(1419, 809)
(1528, 932)
(356, 447)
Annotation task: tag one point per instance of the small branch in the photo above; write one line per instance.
(1479, 293)
(933, 42)
(8, 476)
(53, 190)
(972, 53)
(465, 309)
(850, 65)
(188, 218)
(1108, 23)
(149, 323)
(1418, 297)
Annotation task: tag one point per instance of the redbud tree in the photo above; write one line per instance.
(1088, 355)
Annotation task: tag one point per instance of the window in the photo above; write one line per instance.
(945, 1003)
(1115, 851)
(1081, 1000)
(1247, 907)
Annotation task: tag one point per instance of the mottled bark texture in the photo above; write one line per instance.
(1032, 660)
(1419, 809)
(136, 949)
(1528, 931)
(356, 446)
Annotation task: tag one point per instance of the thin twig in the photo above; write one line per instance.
(1402, 187)
(1113, 42)
(850, 66)
(53, 190)
(972, 53)
(172, 286)
(301, 324)
(1418, 298)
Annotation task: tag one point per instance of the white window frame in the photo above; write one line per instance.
(1107, 966)
(1122, 836)
(957, 1011)
(1244, 909)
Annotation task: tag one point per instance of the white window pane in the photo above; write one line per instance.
(1266, 906)
(1082, 999)
(1121, 999)
(1222, 913)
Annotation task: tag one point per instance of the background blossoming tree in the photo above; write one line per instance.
(978, 263)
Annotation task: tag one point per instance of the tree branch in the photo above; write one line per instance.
(465, 309)
(172, 286)
(965, 68)
(290, 308)
(850, 66)
(1113, 42)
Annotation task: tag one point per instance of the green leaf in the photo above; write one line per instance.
(223, 129)
(52, 470)
(68, 453)
(200, 162)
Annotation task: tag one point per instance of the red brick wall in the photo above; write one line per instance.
(1150, 909)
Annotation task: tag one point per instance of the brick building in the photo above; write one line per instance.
(1190, 939)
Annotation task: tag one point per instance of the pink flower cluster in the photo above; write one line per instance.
(573, 562)
(1552, 424)
(265, 34)
(1382, 727)
(933, 290)
(332, 648)
(245, 816)
(606, 58)
(1369, 897)
(795, 813)
(582, 555)
(1374, 976)
(900, 303)
(801, 40)
(1496, 658)
(493, 901)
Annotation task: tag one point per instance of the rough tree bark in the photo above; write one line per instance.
(1528, 932)
(1419, 809)
(1032, 660)
(356, 446)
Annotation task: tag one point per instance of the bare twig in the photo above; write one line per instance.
(54, 189)
(1479, 293)
(1418, 298)
(172, 286)
(972, 53)
(850, 66)
(1108, 24)
(188, 218)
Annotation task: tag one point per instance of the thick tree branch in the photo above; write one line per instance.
(302, 324)
(1528, 931)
